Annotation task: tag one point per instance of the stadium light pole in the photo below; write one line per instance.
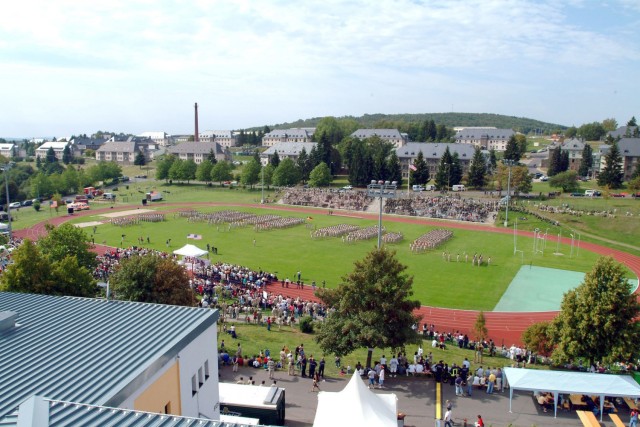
(509, 163)
(6, 169)
(262, 200)
(384, 190)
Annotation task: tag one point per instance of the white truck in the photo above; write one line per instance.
(154, 196)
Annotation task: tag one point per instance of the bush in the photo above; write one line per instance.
(306, 325)
(36, 206)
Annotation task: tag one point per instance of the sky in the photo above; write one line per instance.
(71, 66)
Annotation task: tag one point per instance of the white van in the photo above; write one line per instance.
(417, 188)
(458, 187)
(109, 196)
(430, 187)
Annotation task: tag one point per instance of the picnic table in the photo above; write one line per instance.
(577, 402)
(631, 403)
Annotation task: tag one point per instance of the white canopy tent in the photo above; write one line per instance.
(356, 405)
(569, 382)
(191, 251)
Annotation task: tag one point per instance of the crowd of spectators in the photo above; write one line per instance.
(431, 240)
(443, 207)
(6, 250)
(328, 198)
(566, 209)
(108, 262)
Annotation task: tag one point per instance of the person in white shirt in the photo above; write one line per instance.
(383, 360)
(447, 418)
(411, 370)
(393, 365)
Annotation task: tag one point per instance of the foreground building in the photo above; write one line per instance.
(95, 353)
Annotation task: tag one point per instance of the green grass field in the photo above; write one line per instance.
(288, 251)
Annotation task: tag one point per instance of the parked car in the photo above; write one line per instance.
(14, 205)
(27, 203)
(577, 194)
(348, 187)
(544, 178)
(619, 195)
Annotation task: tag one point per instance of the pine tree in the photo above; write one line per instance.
(420, 176)
(512, 151)
(394, 169)
(587, 160)
(554, 162)
(493, 161)
(275, 160)
(564, 161)
(611, 175)
(443, 175)
(303, 164)
(477, 169)
(456, 170)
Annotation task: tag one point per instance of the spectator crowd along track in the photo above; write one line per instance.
(504, 327)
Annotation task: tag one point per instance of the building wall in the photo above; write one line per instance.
(203, 400)
(163, 395)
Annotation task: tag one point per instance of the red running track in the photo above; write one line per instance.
(504, 327)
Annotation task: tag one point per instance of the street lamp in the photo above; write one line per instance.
(509, 163)
(384, 190)
(262, 201)
(6, 169)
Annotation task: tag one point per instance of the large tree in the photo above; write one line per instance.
(477, 169)
(371, 308)
(140, 159)
(153, 279)
(220, 172)
(67, 240)
(394, 169)
(538, 338)
(320, 176)
(597, 319)
(611, 175)
(203, 173)
(164, 166)
(567, 181)
(251, 173)
(445, 167)
(286, 174)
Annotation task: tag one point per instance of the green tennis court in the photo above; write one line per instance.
(538, 289)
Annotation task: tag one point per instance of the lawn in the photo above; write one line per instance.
(254, 339)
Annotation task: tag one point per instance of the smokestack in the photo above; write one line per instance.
(196, 137)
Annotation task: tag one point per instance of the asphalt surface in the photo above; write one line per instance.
(416, 399)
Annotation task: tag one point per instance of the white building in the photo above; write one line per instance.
(485, 138)
(225, 138)
(287, 135)
(8, 150)
(58, 149)
(159, 138)
(199, 151)
(127, 355)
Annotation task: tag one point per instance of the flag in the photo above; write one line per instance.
(194, 236)
(413, 168)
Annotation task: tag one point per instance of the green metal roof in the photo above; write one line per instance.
(88, 350)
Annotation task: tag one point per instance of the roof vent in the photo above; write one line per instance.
(7, 320)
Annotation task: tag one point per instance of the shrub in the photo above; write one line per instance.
(36, 205)
(306, 325)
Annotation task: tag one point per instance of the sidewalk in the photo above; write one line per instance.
(416, 399)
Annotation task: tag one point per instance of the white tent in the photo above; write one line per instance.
(190, 250)
(569, 382)
(356, 405)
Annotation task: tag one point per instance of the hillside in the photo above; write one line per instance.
(520, 124)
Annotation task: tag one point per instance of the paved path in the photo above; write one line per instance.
(504, 327)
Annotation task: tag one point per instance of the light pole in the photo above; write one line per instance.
(508, 163)
(448, 177)
(262, 200)
(6, 169)
(384, 190)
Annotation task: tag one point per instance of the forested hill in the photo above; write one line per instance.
(520, 124)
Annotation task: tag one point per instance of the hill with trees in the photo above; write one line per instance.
(519, 124)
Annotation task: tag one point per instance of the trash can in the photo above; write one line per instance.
(70, 211)
(144, 202)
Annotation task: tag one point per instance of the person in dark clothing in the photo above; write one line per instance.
(312, 366)
(321, 368)
(303, 366)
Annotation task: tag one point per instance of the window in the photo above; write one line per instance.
(200, 377)
(206, 369)
(194, 386)
(167, 408)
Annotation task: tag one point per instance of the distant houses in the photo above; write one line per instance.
(286, 150)
(199, 151)
(225, 138)
(389, 135)
(432, 153)
(287, 135)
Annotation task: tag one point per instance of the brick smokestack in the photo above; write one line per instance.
(196, 137)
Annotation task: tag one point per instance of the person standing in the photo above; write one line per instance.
(271, 367)
(491, 382)
(312, 366)
(303, 365)
(447, 419)
(372, 378)
(393, 366)
(633, 420)
(315, 385)
(479, 421)
(381, 377)
(321, 368)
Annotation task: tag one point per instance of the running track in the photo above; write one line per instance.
(504, 327)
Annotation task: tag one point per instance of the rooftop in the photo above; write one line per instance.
(88, 350)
